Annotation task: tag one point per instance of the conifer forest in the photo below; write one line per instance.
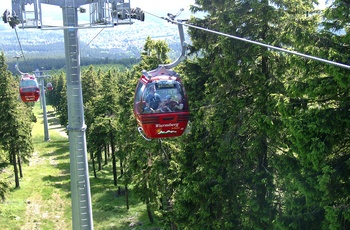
(269, 146)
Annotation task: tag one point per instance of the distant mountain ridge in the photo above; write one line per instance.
(119, 42)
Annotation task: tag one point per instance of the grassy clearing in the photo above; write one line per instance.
(43, 201)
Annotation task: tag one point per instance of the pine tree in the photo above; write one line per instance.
(231, 177)
(54, 96)
(15, 133)
(316, 120)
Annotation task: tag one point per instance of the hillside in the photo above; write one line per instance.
(120, 42)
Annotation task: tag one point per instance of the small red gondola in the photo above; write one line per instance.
(49, 86)
(160, 104)
(29, 88)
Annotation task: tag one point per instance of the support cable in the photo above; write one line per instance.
(93, 38)
(81, 50)
(20, 46)
(254, 42)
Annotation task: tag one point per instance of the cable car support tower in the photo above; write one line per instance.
(103, 13)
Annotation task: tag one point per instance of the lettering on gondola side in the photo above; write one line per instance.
(167, 125)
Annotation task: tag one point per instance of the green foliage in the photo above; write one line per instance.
(316, 123)
(15, 121)
(154, 53)
(278, 121)
(54, 96)
(269, 147)
(4, 188)
(58, 64)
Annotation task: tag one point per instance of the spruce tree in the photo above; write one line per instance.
(15, 133)
(231, 176)
(316, 118)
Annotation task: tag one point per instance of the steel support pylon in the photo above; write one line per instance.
(117, 12)
(80, 184)
(40, 77)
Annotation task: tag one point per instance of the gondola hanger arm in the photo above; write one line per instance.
(171, 18)
(16, 65)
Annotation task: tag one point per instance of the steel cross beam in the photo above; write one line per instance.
(103, 13)
(60, 2)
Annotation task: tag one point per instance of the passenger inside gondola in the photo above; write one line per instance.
(161, 97)
(49, 86)
(152, 100)
(170, 105)
(179, 105)
(166, 106)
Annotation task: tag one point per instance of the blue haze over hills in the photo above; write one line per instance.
(119, 42)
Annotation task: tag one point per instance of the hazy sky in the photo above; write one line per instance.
(136, 3)
(147, 5)
(158, 7)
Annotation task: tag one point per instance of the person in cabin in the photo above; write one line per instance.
(179, 106)
(166, 106)
(170, 105)
(152, 100)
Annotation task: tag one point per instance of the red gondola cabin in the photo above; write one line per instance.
(160, 104)
(49, 86)
(29, 88)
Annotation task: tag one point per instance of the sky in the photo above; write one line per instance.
(51, 12)
(148, 5)
(144, 4)
(52, 15)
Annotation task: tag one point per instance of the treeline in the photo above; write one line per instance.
(269, 147)
(31, 64)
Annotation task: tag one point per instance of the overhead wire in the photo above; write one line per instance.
(171, 19)
(81, 50)
(20, 45)
(93, 38)
(255, 42)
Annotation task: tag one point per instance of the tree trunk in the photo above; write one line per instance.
(173, 226)
(262, 174)
(11, 158)
(93, 165)
(15, 169)
(105, 147)
(19, 164)
(149, 212)
(106, 156)
(127, 197)
(114, 162)
(99, 153)
(262, 187)
(121, 168)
